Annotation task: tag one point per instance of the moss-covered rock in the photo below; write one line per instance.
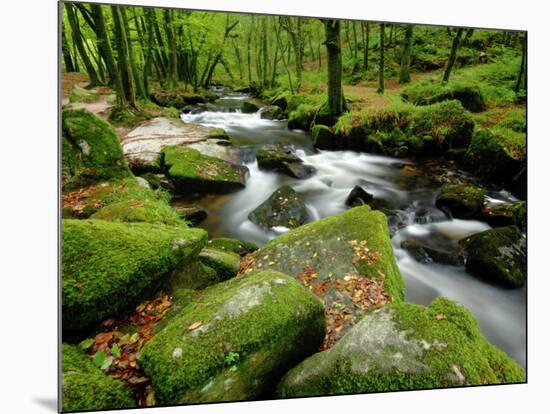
(353, 245)
(280, 159)
(502, 214)
(272, 112)
(302, 117)
(404, 347)
(79, 94)
(90, 150)
(157, 181)
(106, 266)
(424, 253)
(323, 137)
(225, 264)
(84, 387)
(193, 172)
(249, 107)
(283, 208)
(218, 133)
(497, 155)
(461, 200)
(358, 196)
(137, 211)
(192, 214)
(235, 342)
(427, 93)
(497, 255)
(241, 247)
(194, 276)
(519, 215)
(178, 98)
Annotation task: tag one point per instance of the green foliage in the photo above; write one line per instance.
(426, 93)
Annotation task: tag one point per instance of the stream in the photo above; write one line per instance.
(405, 189)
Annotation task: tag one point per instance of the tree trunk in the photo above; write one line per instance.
(366, 51)
(521, 82)
(381, 63)
(128, 97)
(69, 66)
(452, 56)
(77, 38)
(404, 73)
(172, 59)
(104, 44)
(334, 58)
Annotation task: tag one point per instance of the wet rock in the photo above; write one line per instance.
(272, 112)
(241, 247)
(192, 214)
(358, 196)
(235, 341)
(180, 98)
(249, 108)
(426, 254)
(498, 256)
(193, 172)
(90, 151)
(85, 387)
(404, 347)
(500, 214)
(278, 158)
(218, 133)
(323, 137)
(103, 260)
(348, 250)
(157, 181)
(461, 200)
(226, 264)
(284, 208)
(519, 214)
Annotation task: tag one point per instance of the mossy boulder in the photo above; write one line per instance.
(404, 347)
(280, 159)
(461, 200)
(136, 211)
(302, 117)
(519, 214)
(498, 256)
(218, 133)
(272, 112)
(497, 155)
(425, 253)
(84, 387)
(241, 247)
(350, 249)
(235, 342)
(225, 264)
(158, 181)
(249, 108)
(192, 214)
(502, 214)
(178, 98)
(106, 266)
(426, 93)
(79, 94)
(283, 208)
(193, 172)
(194, 276)
(90, 151)
(323, 137)
(358, 196)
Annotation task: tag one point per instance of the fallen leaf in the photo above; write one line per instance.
(440, 317)
(194, 325)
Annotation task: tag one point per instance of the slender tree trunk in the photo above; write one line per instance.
(77, 37)
(522, 75)
(69, 66)
(104, 44)
(265, 53)
(285, 60)
(334, 57)
(404, 73)
(452, 56)
(366, 51)
(125, 70)
(381, 63)
(172, 59)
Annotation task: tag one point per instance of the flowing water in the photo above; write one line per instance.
(405, 190)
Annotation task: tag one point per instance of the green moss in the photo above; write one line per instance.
(250, 331)
(462, 200)
(225, 264)
(519, 214)
(327, 246)
(170, 112)
(134, 210)
(322, 136)
(241, 247)
(91, 150)
(106, 266)
(195, 275)
(427, 92)
(85, 387)
(218, 133)
(404, 347)
(191, 171)
(78, 94)
(302, 117)
(179, 97)
(123, 116)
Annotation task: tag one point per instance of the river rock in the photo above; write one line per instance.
(283, 208)
(193, 172)
(180, 98)
(157, 181)
(426, 254)
(234, 342)
(272, 112)
(192, 214)
(358, 196)
(226, 264)
(500, 214)
(404, 347)
(461, 200)
(323, 137)
(91, 150)
(249, 108)
(108, 265)
(497, 255)
(241, 247)
(346, 259)
(280, 159)
(85, 387)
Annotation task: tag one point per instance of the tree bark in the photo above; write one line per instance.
(522, 75)
(405, 73)
(69, 66)
(334, 58)
(381, 62)
(452, 56)
(128, 97)
(104, 44)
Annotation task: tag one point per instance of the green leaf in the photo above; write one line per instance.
(99, 358)
(86, 343)
(107, 363)
(115, 350)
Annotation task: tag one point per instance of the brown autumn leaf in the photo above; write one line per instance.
(194, 325)
(440, 317)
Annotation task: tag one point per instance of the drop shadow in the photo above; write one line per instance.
(48, 403)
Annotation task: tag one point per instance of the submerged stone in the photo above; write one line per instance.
(235, 342)
(404, 347)
(358, 196)
(278, 158)
(284, 208)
